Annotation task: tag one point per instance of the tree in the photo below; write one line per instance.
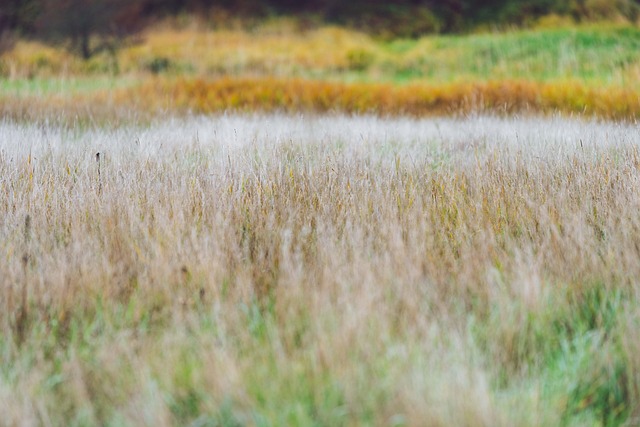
(16, 17)
(6, 41)
(90, 26)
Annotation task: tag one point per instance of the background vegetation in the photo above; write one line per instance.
(592, 70)
(386, 58)
(406, 18)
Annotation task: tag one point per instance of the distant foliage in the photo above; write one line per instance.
(401, 18)
(83, 21)
(6, 41)
(19, 15)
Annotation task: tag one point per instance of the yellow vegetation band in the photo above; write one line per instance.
(272, 94)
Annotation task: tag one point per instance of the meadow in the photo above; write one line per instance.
(298, 224)
(287, 269)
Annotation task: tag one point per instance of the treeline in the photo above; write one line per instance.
(416, 17)
(407, 18)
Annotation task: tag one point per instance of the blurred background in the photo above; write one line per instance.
(83, 47)
(78, 21)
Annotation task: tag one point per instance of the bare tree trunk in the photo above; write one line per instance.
(85, 48)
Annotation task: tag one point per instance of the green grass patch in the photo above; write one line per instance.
(593, 54)
(47, 86)
(568, 353)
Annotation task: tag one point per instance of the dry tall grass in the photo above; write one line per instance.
(280, 270)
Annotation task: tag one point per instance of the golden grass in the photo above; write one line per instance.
(241, 52)
(506, 97)
(30, 59)
(204, 52)
(340, 271)
(167, 96)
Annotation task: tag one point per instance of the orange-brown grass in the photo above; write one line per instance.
(162, 97)
(274, 270)
(271, 94)
(168, 96)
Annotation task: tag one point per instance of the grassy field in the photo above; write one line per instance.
(281, 225)
(590, 70)
(320, 270)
